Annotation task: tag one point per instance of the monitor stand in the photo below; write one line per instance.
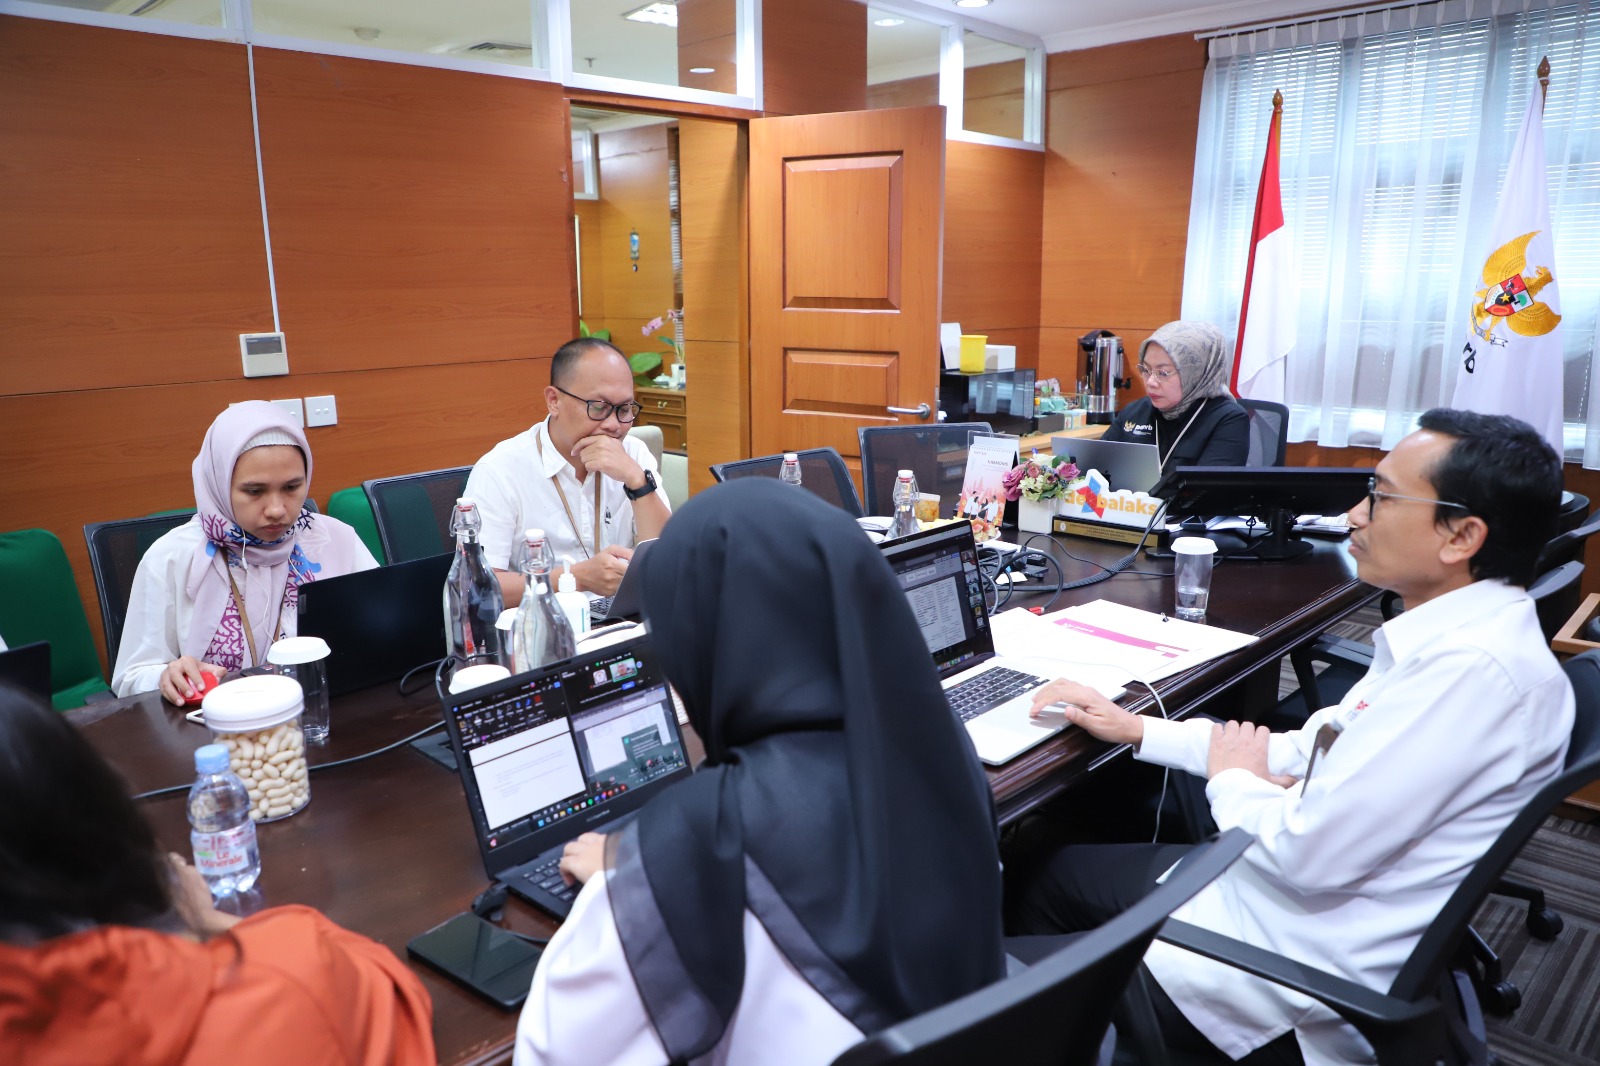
(1278, 543)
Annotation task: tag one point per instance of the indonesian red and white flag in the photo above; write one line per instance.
(1512, 361)
(1271, 301)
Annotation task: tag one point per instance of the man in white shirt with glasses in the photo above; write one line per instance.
(1368, 817)
(577, 475)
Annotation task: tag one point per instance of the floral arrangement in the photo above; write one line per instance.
(669, 338)
(1033, 480)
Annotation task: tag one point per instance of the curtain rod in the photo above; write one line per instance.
(1327, 16)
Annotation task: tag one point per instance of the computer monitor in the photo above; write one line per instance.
(1274, 494)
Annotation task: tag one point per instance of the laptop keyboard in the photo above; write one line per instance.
(598, 609)
(989, 690)
(548, 877)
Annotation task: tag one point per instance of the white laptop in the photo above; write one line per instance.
(1125, 464)
(938, 569)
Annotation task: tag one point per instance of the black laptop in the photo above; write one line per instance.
(555, 753)
(628, 603)
(28, 668)
(378, 623)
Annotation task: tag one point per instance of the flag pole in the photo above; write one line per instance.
(1250, 264)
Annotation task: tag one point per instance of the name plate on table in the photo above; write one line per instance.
(1098, 510)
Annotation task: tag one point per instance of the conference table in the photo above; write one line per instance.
(385, 846)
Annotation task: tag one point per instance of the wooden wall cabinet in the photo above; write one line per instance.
(669, 409)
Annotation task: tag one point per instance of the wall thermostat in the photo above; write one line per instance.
(264, 354)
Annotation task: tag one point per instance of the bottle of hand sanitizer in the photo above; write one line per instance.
(573, 602)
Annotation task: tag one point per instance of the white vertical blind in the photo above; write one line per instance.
(1397, 129)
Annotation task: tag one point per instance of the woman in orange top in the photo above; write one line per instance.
(113, 953)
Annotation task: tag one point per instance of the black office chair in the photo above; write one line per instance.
(413, 511)
(1056, 1011)
(1269, 432)
(1430, 1013)
(1565, 547)
(822, 470)
(115, 549)
(936, 454)
(1574, 509)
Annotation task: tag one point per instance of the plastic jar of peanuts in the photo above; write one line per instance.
(258, 719)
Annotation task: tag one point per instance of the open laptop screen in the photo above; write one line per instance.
(938, 569)
(550, 752)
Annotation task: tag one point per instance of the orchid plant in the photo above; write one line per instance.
(1034, 480)
(652, 360)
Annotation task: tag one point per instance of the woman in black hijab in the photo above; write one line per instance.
(832, 866)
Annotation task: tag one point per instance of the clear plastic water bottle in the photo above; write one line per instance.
(472, 598)
(905, 505)
(790, 472)
(222, 834)
(544, 634)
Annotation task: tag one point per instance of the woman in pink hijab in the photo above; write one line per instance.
(214, 594)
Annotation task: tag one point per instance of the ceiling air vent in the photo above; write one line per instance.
(495, 50)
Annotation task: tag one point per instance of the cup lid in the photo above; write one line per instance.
(292, 651)
(256, 702)
(475, 676)
(1194, 546)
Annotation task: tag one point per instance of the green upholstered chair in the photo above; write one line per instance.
(39, 601)
(115, 549)
(352, 507)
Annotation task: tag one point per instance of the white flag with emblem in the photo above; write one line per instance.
(1511, 363)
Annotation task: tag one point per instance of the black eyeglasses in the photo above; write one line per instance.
(600, 410)
(1373, 496)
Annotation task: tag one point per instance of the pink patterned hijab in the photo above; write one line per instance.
(216, 632)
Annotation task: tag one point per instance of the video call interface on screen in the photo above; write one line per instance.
(567, 743)
(945, 588)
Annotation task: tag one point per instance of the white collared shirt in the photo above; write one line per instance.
(1462, 717)
(585, 1008)
(513, 489)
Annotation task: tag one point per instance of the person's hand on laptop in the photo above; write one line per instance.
(581, 858)
(603, 573)
(1090, 711)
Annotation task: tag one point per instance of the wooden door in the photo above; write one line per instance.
(846, 249)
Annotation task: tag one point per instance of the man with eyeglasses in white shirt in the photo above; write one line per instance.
(1368, 817)
(577, 475)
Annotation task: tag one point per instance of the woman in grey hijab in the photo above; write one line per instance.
(1187, 411)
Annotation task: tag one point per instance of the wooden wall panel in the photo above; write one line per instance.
(1122, 127)
(713, 160)
(391, 422)
(401, 201)
(813, 56)
(633, 197)
(993, 204)
(131, 249)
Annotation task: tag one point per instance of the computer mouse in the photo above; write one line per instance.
(208, 681)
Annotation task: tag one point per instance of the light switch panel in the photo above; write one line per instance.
(296, 412)
(321, 411)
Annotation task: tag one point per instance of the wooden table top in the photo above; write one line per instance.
(386, 847)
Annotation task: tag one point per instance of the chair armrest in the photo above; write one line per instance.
(1328, 648)
(1401, 1032)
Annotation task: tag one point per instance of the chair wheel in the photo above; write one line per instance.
(1502, 998)
(1545, 924)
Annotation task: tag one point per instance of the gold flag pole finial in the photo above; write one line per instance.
(1277, 97)
(1544, 77)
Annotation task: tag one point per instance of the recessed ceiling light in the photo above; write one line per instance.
(660, 14)
(972, 3)
(888, 22)
(702, 70)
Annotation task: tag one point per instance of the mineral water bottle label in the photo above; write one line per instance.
(224, 853)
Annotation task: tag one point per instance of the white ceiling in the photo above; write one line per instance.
(1069, 24)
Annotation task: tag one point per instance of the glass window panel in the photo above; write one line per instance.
(189, 12)
(993, 87)
(691, 44)
(902, 60)
(497, 31)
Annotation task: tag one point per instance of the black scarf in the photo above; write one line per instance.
(840, 800)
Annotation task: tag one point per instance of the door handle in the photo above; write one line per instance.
(922, 410)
